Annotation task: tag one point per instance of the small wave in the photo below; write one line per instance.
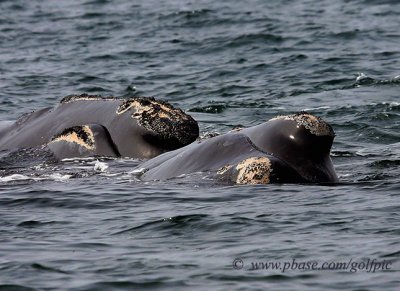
(246, 39)
(93, 89)
(347, 83)
(336, 153)
(14, 177)
(18, 177)
(42, 267)
(169, 223)
(217, 108)
(240, 103)
(385, 164)
(188, 16)
(35, 223)
(363, 79)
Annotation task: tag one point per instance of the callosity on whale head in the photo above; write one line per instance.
(167, 125)
(302, 140)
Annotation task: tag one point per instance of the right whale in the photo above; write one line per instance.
(90, 125)
(286, 149)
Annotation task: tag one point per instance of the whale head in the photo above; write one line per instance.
(157, 127)
(303, 141)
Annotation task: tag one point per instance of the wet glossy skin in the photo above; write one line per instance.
(288, 149)
(137, 127)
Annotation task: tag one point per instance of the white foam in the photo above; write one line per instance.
(394, 104)
(316, 108)
(77, 159)
(18, 177)
(361, 76)
(14, 177)
(100, 166)
(59, 177)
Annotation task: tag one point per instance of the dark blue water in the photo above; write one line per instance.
(91, 225)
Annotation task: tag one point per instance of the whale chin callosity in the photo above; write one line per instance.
(286, 149)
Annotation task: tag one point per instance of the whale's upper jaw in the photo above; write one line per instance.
(314, 124)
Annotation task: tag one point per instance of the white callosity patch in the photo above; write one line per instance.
(224, 169)
(84, 97)
(162, 118)
(80, 135)
(151, 107)
(314, 124)
(255, 170)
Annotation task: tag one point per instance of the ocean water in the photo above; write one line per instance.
(90, 224)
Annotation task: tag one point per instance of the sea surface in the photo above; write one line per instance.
(90, 224)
